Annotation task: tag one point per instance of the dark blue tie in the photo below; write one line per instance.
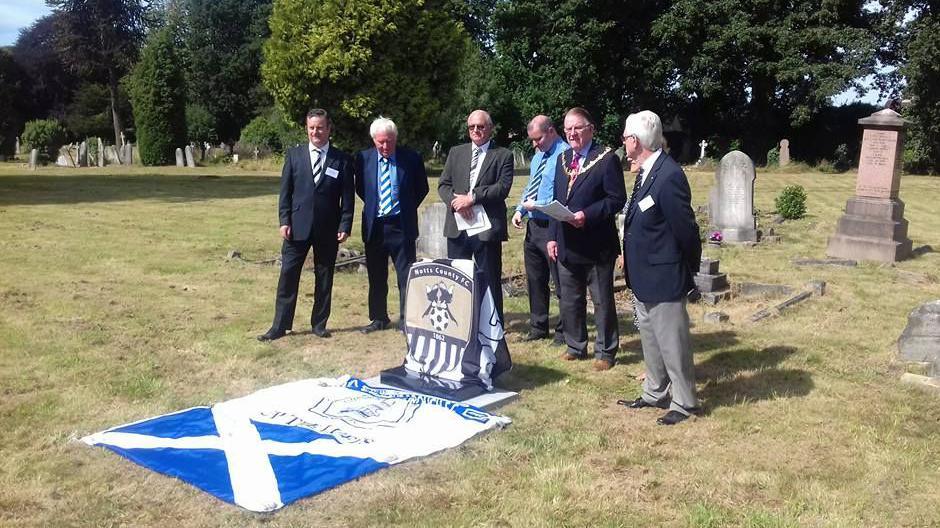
(536, 180)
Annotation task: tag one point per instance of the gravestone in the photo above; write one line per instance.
(519, 158)
(123, 141)
(436, 149)
(68, 156)
(234, 158)
(784, 152)
(190, 161)
(16, 146)
(83, 155)
(127, 154)
(920, 340)
(33, 159)
(712, 284)
(701, 154)
(100, 153)
(111, 155)
(873, 226)
(731, 203)
(431, 241)
(180, 162)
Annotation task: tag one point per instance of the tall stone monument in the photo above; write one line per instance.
(784, 152)
(731, 203)
(180, 162)
(100, 153)
(873, 226)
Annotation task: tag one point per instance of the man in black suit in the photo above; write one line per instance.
(392, 184)
(315, 209)
(589, 181)
(478, 174)
(662, 250)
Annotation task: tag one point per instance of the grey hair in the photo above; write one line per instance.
(647, 127)
(383, 124)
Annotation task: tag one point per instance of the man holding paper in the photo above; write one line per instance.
(475, 182)
(589, 182)
(539, 191)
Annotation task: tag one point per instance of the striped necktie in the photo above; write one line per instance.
(636, 189)
(537, 179)
(476, 159)
(317, 166)
(385, 188)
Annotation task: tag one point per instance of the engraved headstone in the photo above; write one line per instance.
(100, 153)
(33, 159)
(731, 204)
(784, 152)
(190, 161)
(873, 226)
(180, 161)
(431, 241)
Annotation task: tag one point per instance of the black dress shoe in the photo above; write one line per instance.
(640, 403)
(672, 418)
(271, 335)
(374, 326)
(321, 332)
(535, 336)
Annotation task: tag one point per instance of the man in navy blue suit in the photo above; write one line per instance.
(315, 210)
(662, 250)
(589, 181)
(392, 184)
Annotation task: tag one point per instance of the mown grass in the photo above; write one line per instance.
(118, 304)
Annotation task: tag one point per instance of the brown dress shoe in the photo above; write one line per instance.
(602, 364)
(568, 357)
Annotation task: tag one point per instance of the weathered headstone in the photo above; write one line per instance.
(83, 155)
(68, 156)
(111, 155)
(920, 340)
(731, 204)
(16, 146)
(127, 154)
(180, 161)
(710, 283)
(784, 152)
(519, 158)
(431, 241)
(234, 158)
(190, 161)
(33, 159)
(873, 226)
(100, 153)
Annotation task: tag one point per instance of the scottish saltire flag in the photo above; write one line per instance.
(290, 441)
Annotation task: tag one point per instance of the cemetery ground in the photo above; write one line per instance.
(118, 304)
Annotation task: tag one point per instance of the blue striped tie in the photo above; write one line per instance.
(385, 189)
(536, 180)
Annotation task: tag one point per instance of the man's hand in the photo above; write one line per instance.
(552, 248)
(529, 205)
(462, 202)
(578, 220)
(341, 236)
(285, 232)
(517, 220)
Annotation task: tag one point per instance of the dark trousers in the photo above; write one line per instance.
(293, 254)
(387, 240)
(539, 269)
(488, 257)
(574, 280)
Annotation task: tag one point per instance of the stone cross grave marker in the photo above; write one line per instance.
(731, 204)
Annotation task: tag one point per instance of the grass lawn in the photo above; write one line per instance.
(117, 303)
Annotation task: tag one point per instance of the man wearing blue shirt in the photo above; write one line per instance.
(540, 190)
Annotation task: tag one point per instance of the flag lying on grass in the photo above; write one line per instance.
(287, 442)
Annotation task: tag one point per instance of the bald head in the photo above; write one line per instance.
(541, 132)
(480, 127)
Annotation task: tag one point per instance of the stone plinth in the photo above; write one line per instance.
(873, 226)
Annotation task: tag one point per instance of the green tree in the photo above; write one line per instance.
(360, 58)
(223, 40)
(101, 38)
(922, 72)
(52, 85)
(14, 81)
(158, 95)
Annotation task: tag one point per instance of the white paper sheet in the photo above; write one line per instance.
(477, 224)
(556, 210)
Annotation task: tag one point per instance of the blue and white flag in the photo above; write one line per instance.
(290, 441)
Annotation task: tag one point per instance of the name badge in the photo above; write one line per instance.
(332, 173)
(646, 203)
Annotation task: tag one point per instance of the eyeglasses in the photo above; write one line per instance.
(476, 127)
(629, 136)
(578, 129)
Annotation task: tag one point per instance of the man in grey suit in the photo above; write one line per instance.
(478, 174)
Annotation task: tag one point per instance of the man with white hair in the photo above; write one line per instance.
(662, 250)
(392, 183)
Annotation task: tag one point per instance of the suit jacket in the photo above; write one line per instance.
(491, 190)
(600, 193)
(320, 210)
(412, 188)
(662, 248)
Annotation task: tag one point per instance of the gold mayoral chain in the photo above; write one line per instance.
(572, 175)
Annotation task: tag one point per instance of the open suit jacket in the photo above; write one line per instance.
(662, 248)
(600, 193)
(317, 210)
(412, 188)
(491, 190)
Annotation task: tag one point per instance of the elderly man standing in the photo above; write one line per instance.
(662, 251)
(315, 210)
(540, 269)
(478, 173)
(589, 181)
(392, 184)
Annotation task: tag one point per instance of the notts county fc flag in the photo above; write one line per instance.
(453, 330)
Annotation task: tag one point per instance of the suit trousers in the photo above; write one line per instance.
(539, 269)
(574, 280)
(664, 333)
(293, 254)
(387, 240)
(488, 257)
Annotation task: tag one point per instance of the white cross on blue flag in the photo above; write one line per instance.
(283, 443)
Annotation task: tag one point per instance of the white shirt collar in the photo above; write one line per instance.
(483, 148)
(648, 164)
(323, 149)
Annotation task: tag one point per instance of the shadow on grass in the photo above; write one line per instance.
(525, 377)
(747, 375)
(66, 189)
